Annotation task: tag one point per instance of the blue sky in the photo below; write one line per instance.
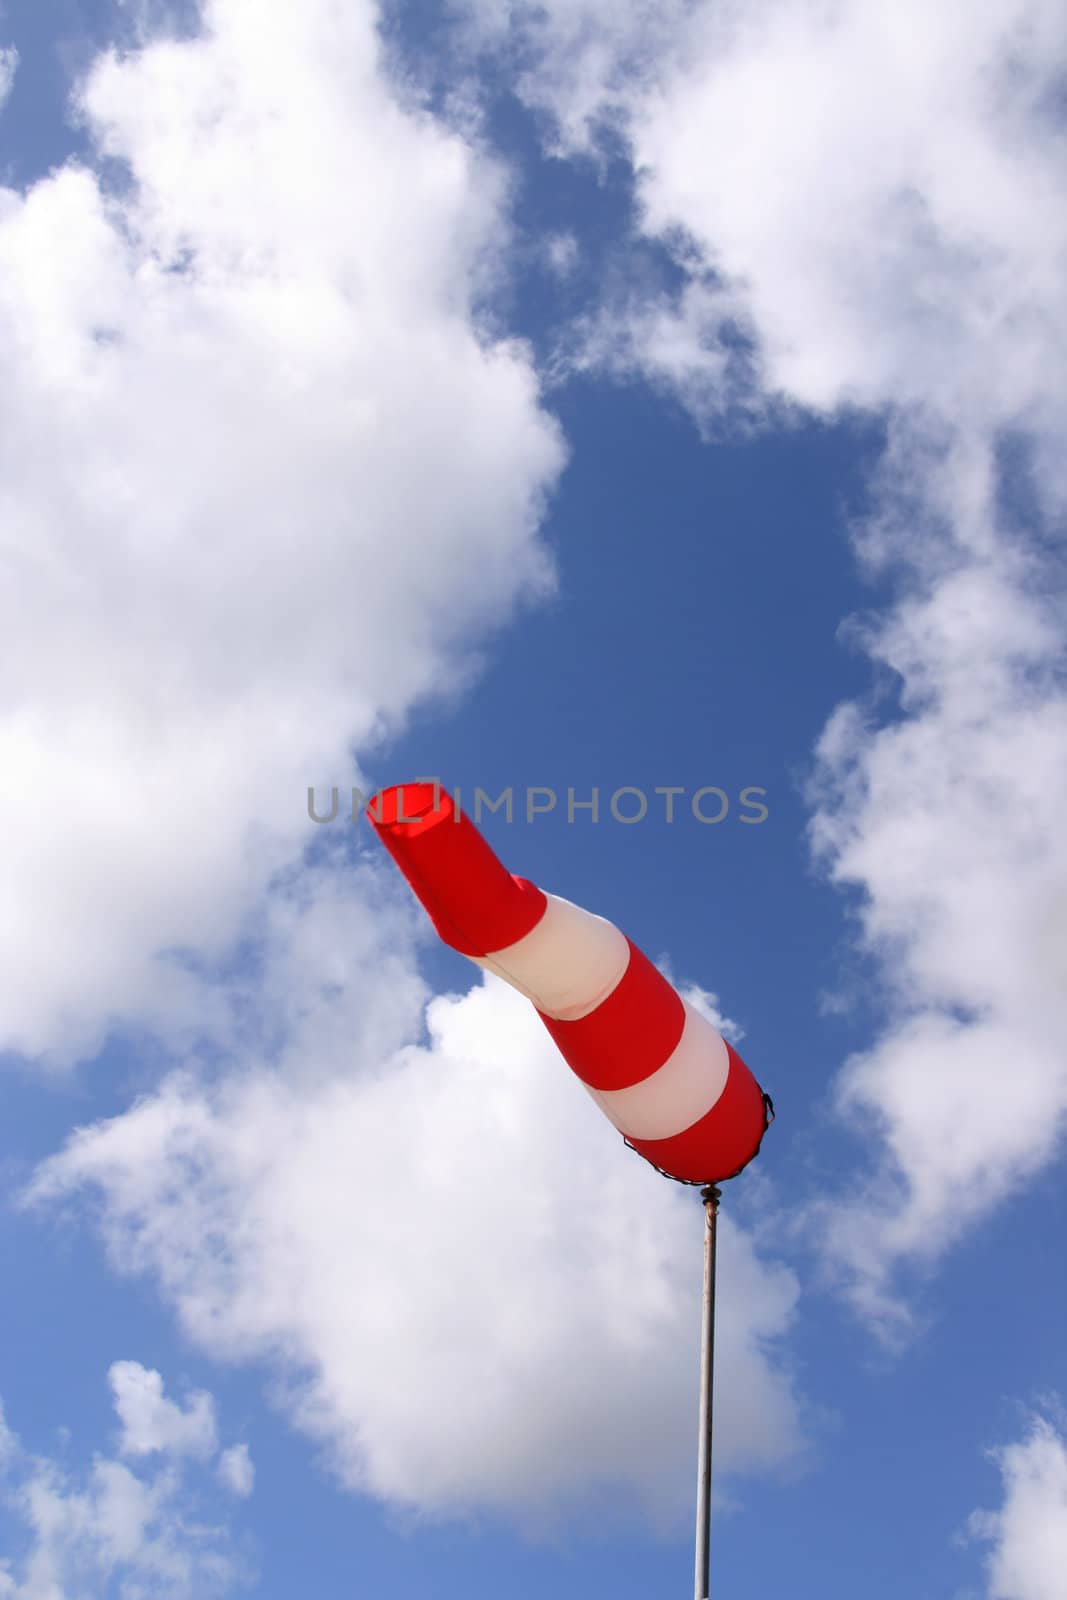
(625, 416)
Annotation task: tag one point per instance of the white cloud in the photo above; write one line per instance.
(151, 1422)
(869, 205)
(266, 476)
(83, 1531)
(562, 254)
(419, 1241)
(236, 1470)
(1029, 1532)
(9, 60)
(875, 191)
(7, 1441)
(950, 822)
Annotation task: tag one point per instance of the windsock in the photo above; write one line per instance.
(674, 1088)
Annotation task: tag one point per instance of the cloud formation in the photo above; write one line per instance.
(1029, 1531)
(421, 1238)
(9, 60)
(151, 1423)
(236, 1470)
(268, 477)
(85, 1531)
(869, 210)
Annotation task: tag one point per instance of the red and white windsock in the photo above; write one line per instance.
(671, 1084)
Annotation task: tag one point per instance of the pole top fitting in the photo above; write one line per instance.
(711, 1194)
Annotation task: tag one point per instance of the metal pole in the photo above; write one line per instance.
(710, 1195)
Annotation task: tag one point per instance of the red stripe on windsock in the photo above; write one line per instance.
(723, 1141)
(474, 902)
(629, 1035)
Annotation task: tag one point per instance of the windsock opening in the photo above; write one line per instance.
(474, 902)
(411, 806)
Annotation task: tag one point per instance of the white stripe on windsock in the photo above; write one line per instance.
(567, 965)
(678, 1093)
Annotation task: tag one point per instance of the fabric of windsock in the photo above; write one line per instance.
(674, 1088)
